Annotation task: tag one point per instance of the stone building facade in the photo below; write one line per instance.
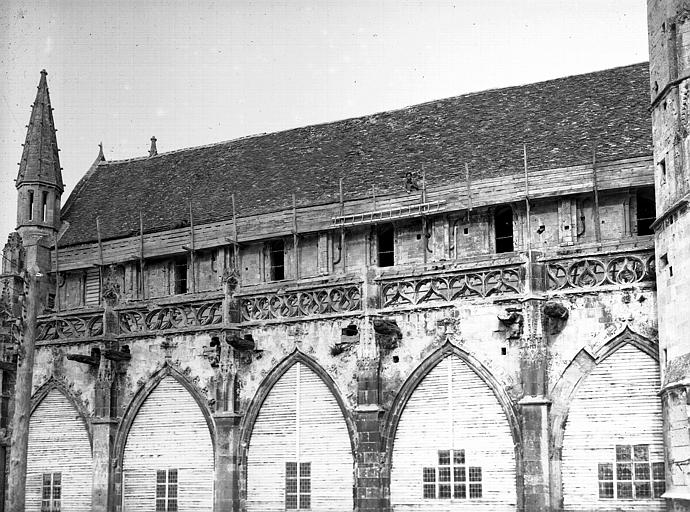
(454, 306)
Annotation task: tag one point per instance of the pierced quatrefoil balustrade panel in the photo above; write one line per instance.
(600, 270)
(451, 286)
(174, 316)
(322, 300)
(88, 325)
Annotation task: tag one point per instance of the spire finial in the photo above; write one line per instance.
(153, 151)
(101, 156)
(44, 72)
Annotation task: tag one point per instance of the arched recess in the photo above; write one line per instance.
(474, 407)
(59, 458)
(165, 446)
(601, 402)
(297, 416)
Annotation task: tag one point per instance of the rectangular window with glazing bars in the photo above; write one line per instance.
(51, 495)
(166, 490)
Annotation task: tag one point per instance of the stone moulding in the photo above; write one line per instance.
(601, 269)
(308, 301)
(72, 325)
(452, 285)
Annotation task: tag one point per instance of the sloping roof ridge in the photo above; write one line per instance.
(365, 116)
(190, 148)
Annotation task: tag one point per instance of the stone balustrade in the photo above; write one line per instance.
(599, 269)
(300, 300)
(451, 281)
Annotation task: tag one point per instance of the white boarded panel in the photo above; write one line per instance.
(169, 432)
(59, 443)
(325, 443)
(300, 415)
(453, 408)
(273, 443)
(616, 404)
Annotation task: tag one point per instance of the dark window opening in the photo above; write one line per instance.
(277, 260)
(385, 238)
(646, 211)
(5, 400)
(276, 253)
(180, 274)
(44, 206)
(31, 205)
(503, 222)
(662, 170)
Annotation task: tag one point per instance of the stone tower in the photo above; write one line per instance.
(39, 186)
(669, 52)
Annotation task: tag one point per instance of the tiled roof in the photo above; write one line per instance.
(559, 120)
(40, 161)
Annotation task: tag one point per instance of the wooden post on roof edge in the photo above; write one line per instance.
(22, 394)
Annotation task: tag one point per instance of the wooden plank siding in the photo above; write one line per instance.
(300, 421)
(632, 172)
(453, 409)
(59, 443)
(617, 404)
(169, 432)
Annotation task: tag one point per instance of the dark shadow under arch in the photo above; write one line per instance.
(565, 390)
(392, 419)
(265, 388)
(79, 406)
(140, 397)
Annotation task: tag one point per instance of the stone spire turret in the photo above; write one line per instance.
(39, 181)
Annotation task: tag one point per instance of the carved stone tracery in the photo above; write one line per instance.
(451, 286)
(600, 270)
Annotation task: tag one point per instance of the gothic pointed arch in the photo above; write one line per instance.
(575, 377)
(448, 349)
(59, 424)
(165, 446)
(271, 379)
(580, 367)
(143, 393)
(54, 384)
(297, 434)
(450, 375)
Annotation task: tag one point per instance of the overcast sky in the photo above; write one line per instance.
(197, 72)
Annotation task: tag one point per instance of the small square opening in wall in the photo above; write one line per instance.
(465, 231)
(504, 351)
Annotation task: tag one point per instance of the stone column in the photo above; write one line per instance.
(535, 408)
(368, 459)
(674, 399)
(227, 469)
(105, 421)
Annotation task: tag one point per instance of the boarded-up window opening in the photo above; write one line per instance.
(180, 274)
(385, 238)
(634, 477)
(646, 211)
(51, 492)
(297, 487)
(452, 477)
(31, 205)
(276, 254)
(92, 287)
(166, 490)
(503, 225)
